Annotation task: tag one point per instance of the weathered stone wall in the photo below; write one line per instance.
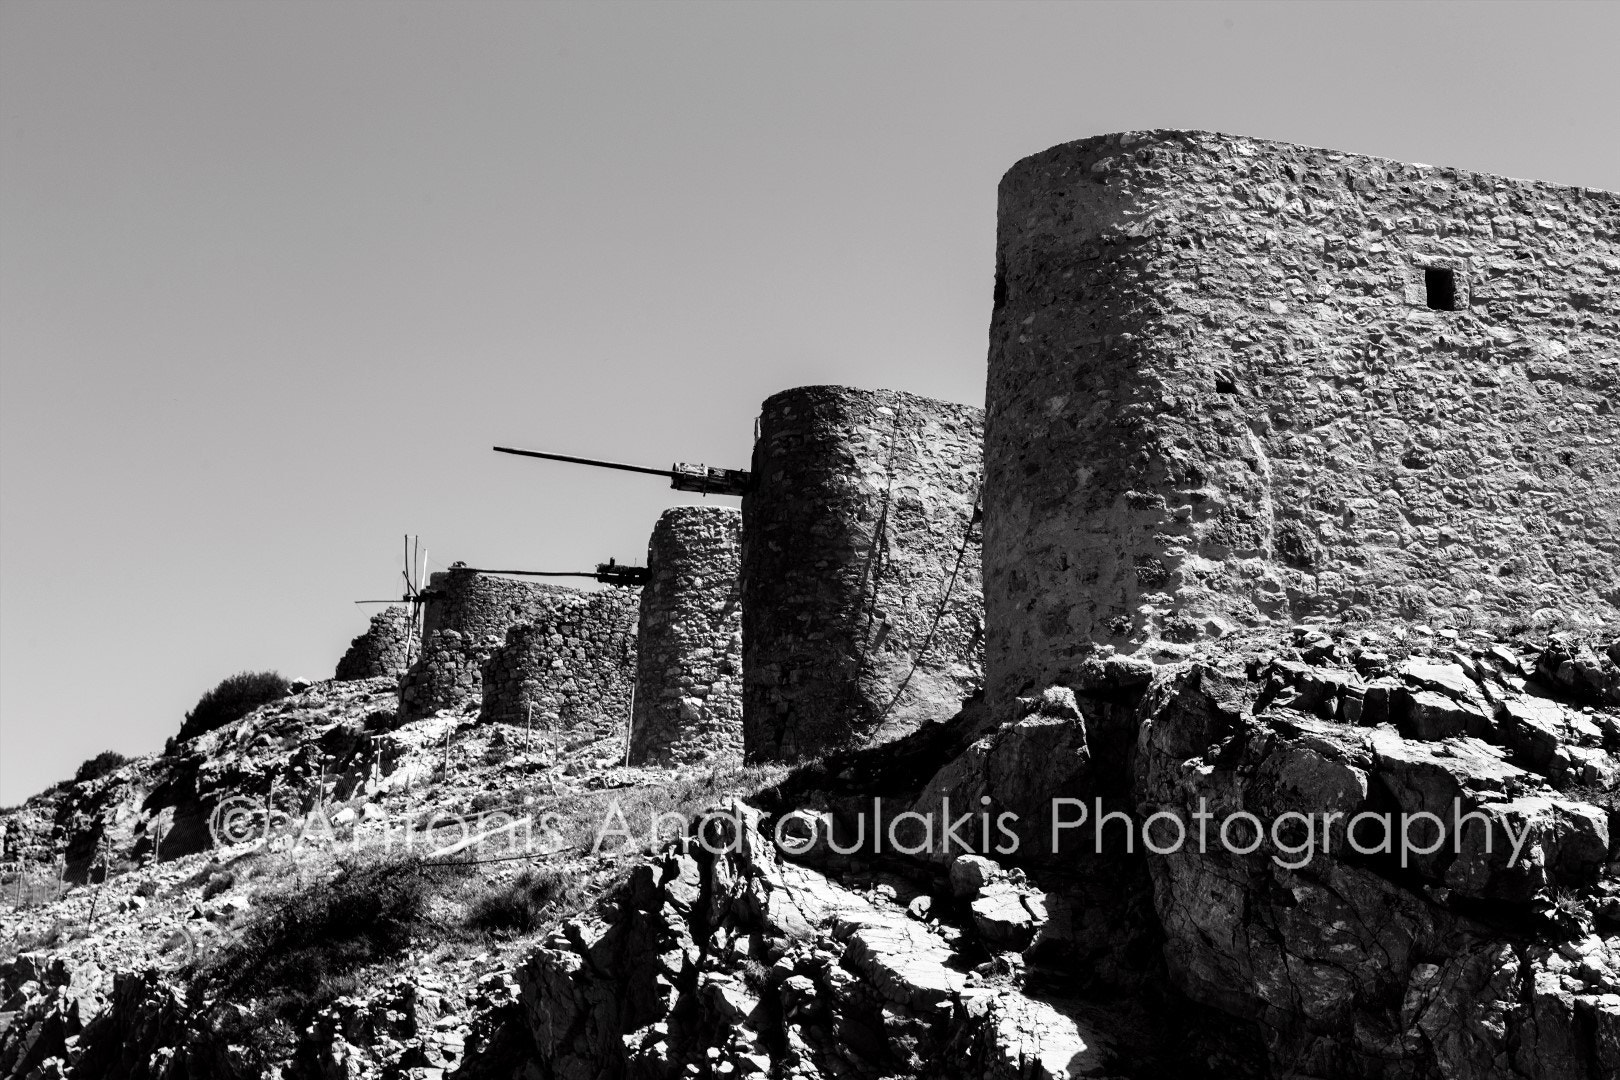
(382, 649)
(689, 646)
(482, 605)
(573, 661)
(446, 675)
(1219, 398)
(858, 531)
(465, 617)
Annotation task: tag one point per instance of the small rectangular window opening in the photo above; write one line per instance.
(1440, 285)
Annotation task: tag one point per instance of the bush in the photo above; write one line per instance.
(103, 763)
(233, 699)
(301, 948)
(522, 905)
(219, 883)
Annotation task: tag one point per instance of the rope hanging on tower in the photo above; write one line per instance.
(974, 517)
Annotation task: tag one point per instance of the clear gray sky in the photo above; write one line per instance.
(274, 277)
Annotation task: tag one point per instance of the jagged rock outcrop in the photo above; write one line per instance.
(745, 963)
(1467, 947)
(821, 946)
(836, 924)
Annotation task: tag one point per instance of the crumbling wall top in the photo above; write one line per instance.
(382, 649)
(480, 606)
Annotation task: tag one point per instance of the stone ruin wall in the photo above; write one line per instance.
(382, 649)
(861, 510)
(1218, 398)
(572, 661)
(465, 619)
(689, 646)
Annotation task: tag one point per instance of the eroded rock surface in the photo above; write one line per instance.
(1488, 952)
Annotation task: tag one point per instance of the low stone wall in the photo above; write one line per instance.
(574, 663)
(465, 617)
(447, 675)
(382, 649)
(863, 611)
(689, 647)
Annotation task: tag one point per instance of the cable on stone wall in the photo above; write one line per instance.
(939, 613)
(880, 531)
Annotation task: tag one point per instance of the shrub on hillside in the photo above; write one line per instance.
(304, 938)
(233, 699)
(524, 904)
(99, 766)
(302, 948)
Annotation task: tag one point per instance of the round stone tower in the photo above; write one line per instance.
(862, 597)
(1236, 384)
(689, 646)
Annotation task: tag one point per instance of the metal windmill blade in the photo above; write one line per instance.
(413, 573)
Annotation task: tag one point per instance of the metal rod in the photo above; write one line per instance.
(532, 573)
(630, 725)
(583, 461)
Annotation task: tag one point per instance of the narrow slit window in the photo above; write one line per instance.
(1440, 288)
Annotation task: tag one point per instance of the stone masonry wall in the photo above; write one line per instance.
(858, 529)
(465, 617)
(689, 646)
(1219, 398)
(574, 662)
(382, 649)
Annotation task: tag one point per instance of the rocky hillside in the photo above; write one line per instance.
(940, 906)
(1087, 959)
(314, 890)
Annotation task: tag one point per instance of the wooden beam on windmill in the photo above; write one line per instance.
(611, 572)
(683, 476)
